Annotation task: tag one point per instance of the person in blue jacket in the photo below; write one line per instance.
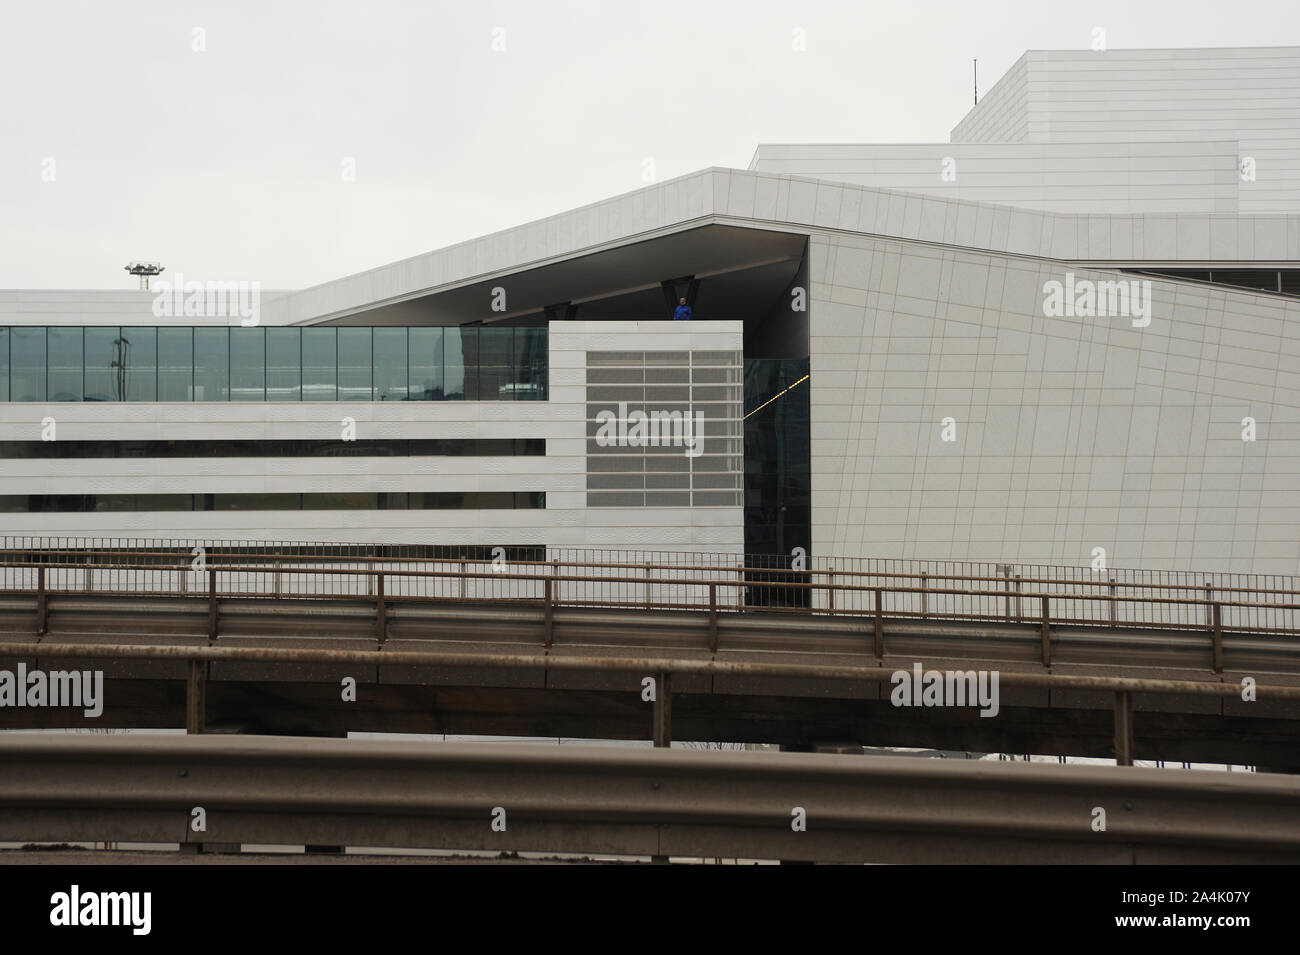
(683, 313)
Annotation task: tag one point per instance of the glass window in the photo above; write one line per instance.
(163, 502)
(319, 364)
(212, 364)
(27, 364)
(101, 365)
(283, 364)
(175, 364)
(341, 501)
(354, 364)
(4, 364)
(358, 363)
(65, 366)
(426, 364)
(495, 349)
(248, 364)
(255, 502)
(531, 362)
(137, 356)
(460, 363)
(390, 364)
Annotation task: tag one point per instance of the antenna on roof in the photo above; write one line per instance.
(975, 65)
(145, 270)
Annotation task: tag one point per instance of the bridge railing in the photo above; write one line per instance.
(715, 583)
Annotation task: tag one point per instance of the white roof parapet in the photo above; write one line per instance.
(763, 200)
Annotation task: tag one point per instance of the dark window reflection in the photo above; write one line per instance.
(248, 364)
(425, 368)
(229, 363)
(175, 364)
(27, 364)
(319, 364)
(211, 364)
(778, 498)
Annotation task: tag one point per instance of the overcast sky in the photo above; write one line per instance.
(228, 163)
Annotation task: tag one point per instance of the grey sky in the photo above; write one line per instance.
(227, 164)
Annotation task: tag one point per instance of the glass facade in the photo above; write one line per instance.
(257, 448)
(424, 366)
(778, 472)
(26, 364)
(248, 364)
(320, 373)
(175, 364)
(64, 364)
(351, 363)
(354, 364)
(390, 364)
(283, 364)
(101, 365)
(211, 364)
(359, 501)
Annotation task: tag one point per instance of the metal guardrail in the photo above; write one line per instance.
(1009, 585)
(637, 802)
(1046, 602)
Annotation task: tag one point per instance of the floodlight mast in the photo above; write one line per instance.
(145, 270)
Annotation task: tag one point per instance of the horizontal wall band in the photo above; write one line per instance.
(301, 448)
(341, 501)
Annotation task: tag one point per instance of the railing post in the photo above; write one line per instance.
(1114, 604)
(90, 585)
(276, 579)
(1019, 608)
(212, 603)
(925, 583)
(1047, 633)
(381, 607)
(463, 568)
(830, 590)
(1123, 729)
(880, 624)
(1209, 597)
(663, 710)
(647, 586)
(41, 613)
(1006, 577)
(548, 614)
(196, 691)
(1217, 613)
(713, 618)
(740, 585)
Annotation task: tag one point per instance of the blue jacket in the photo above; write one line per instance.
(683, 313)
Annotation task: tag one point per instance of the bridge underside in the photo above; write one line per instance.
(313, 709)
(305, 699)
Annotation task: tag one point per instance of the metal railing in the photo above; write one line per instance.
(717, 583)
(646, 802)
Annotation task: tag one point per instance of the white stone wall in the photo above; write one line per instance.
(1072, 433)
(1122, 177)
(713, 529)
(1247, 95)
(1159, 131)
